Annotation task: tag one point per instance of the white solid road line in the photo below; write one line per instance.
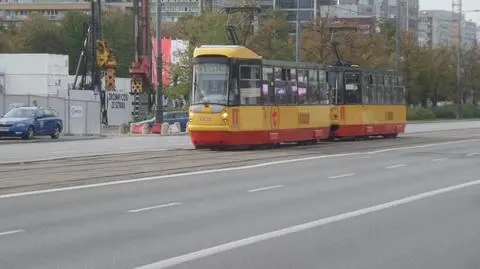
(301, 227)
(395, 166)
(472, 154)
(266, 188)
(154, 207)
(11, 232)
(340, 176)
(246, 167)
(439, 160)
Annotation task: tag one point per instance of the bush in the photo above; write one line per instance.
(444, 112)
(471, 111)
(420, 113)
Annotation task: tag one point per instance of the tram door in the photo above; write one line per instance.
(270, 110)
(334, 96)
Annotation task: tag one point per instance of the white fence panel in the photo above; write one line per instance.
(80, 117)
(93, 122)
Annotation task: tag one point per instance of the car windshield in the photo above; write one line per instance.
(20, 113)
(210, 83)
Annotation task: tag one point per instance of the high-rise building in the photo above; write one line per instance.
(436, 28)
(469, 34)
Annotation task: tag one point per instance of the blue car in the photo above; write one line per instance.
(28, 122)
(172, 117)
(177, 116)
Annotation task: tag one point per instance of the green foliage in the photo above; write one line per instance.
(38, 35)
(420, 113)
(430, 74)
(442, 113)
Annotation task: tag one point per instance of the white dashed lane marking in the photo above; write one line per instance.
(343, 175)
(395, 166)
(266, 188)
(154, 207)
(11, 232)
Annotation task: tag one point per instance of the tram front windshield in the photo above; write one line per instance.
(210, 83)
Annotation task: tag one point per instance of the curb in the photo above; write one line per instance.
(46, 140)
(84, 156)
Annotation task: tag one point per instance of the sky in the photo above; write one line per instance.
(447, 5)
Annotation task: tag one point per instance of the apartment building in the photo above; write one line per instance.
(469, 34)
(439, 28)
(18, 10)
(172, 10)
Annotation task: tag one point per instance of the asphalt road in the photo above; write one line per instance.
(28, 176)
(51, 150)
(386, 208)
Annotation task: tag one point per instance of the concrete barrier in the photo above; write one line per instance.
(174, 128)
(146, 129)
(165, 127)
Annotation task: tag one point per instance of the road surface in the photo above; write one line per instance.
(413, 206)
(33, 151)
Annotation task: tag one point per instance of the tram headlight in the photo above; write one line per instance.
(224, 115)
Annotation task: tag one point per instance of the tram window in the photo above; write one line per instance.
(293, 86)
(268, 89)
(323, 87)
(332, 82)
(353, 88)
(313, 89)
(371, 89)
(388, 90)
(250, 85)
(402, 96)
(282, 89)
(366, 88)
(379, 89)
(302, 80)
(395, 90)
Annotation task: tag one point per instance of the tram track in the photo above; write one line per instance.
(112, 167)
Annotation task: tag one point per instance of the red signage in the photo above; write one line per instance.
(235, 116)
(274, 116)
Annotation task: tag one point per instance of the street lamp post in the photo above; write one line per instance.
(297, 34)
(159, 67)
(397, 39)
(459, 62)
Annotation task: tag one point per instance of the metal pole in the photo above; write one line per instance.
(297, 34)
(459, 66)
(159, 95)
(397, 40)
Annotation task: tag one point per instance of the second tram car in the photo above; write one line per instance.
(366, 102)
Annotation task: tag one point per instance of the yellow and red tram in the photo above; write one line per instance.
(240, 99)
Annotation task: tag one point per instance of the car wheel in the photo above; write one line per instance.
(30, 133)
(56, 133)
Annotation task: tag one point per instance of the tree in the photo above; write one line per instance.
(72, 28)
(117, 30)
(272, 40)
(38, 35)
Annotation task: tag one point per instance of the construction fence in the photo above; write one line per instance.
(80, 117)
